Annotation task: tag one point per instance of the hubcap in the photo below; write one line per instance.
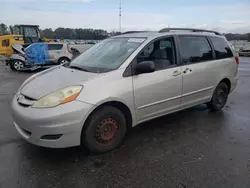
(106, 131)
(18, 65)
(64, 61)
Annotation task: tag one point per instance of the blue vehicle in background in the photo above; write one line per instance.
(40, 55)
(37, 53)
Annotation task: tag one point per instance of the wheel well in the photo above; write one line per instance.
(122, 107)
(228, 82)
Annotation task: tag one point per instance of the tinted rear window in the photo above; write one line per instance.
(221, 47)
(55, 46)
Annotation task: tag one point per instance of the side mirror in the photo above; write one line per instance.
(145, 67)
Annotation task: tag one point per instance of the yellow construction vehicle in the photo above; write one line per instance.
(6, 42)
(20, 34)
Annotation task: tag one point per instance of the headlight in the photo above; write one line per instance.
(56, 98)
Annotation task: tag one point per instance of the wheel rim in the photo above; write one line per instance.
(18, 65)
(221, 97)
(106, 131)
(64, 61)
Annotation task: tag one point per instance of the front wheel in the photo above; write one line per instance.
(104, 130)
(219, 98)
(17, 65)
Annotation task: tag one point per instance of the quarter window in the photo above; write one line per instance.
(55, 46)
(6, 43)
(221, 47)
(195, 49)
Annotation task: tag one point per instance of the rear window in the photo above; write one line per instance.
(221, 47)
(5, 43)
(195, 49)
(55, 46)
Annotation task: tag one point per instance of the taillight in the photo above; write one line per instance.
(237, 59)
(68, 48)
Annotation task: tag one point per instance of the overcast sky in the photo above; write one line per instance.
(221, 15)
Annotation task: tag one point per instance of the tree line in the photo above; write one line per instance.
(64, 33)
(84, 34)
(93, 34)
(236, 36)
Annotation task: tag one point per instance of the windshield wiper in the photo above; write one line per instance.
(78, 68)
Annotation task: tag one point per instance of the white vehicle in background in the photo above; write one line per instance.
(245, 52)
(70, 42)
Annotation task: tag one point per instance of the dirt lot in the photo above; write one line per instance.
(191, 148)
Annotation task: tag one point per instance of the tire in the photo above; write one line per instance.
(104, 130)
(63, 60)
(17, 65)
(219, 98)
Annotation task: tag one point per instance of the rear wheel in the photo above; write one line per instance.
(17, 65)
(104, 130)
(63, 60)
(219, 98)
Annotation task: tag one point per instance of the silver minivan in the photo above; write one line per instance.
(121, 82)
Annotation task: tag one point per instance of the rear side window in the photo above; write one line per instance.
(55, 46)
(6, 43)
(195, 49)
(221, 47)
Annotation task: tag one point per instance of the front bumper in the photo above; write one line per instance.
(62, 123)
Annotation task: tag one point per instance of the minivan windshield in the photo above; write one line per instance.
(107, 55)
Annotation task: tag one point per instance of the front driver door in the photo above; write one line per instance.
(159, 92)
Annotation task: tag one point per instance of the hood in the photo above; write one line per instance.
(53, 80)
(18, 48)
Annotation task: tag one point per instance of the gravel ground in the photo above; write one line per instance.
(191, 148)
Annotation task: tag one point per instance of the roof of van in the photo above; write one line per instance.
(155, 34)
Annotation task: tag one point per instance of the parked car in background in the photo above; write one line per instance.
(39, 55)
(245, 52)
(69, 41)
(121, 82)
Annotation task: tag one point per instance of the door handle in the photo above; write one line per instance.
(186, 70)
(176, 73)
